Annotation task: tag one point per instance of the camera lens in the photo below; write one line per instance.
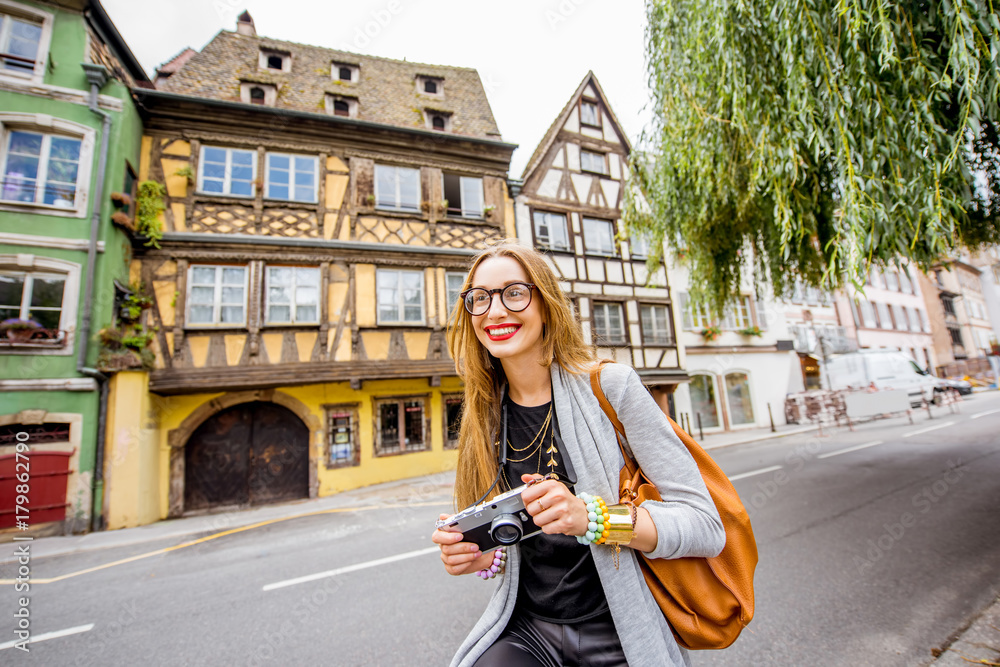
(505, 529)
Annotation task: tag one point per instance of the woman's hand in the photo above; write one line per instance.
(553, 507)
(460, 557)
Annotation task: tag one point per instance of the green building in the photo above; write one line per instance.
(69, 143)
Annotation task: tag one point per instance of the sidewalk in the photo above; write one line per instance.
(979, 644)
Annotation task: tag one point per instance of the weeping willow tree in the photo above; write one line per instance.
(812, 139)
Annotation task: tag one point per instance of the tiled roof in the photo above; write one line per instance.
(173, 65)
(386, 90)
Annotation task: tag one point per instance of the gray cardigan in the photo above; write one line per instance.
(687, 523)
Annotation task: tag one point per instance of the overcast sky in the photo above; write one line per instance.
(530, 54)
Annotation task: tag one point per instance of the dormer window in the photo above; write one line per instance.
(430, 85)
(263, 94)
(340, 105)
(438, 120)
(275, 61)
(345, 72)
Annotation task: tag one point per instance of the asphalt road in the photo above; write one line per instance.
(867, 557)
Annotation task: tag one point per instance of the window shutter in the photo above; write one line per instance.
(685, 312)
(364, 180)
(762, 321)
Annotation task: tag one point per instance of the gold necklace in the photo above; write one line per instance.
(531, 445)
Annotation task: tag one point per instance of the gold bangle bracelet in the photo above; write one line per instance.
(619, 525)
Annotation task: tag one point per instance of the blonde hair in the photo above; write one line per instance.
(562, 342)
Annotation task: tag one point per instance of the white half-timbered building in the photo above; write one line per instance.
(569, 205)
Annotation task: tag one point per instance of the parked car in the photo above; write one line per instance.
(963, 387)
(881, 370)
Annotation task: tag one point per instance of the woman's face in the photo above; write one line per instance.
(508, 336)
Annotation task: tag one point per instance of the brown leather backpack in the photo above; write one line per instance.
(706, 601)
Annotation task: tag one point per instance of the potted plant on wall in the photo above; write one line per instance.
(711, 332)
(751, 332)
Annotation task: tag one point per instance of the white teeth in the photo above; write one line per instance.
(502, 332)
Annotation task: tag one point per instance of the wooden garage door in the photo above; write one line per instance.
(249, 454)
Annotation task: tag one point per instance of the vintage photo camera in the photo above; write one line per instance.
(493, 523)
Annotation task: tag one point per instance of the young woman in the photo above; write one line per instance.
(565, 597)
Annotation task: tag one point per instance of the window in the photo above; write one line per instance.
(453, 288)
(892, 281)
(949, 305)
(698, 317)
(292, 177)
(427, 85)
(609, 325)
(34, 297)
(292, 295)
(345, 72)
(655, 325)
(280, 61)
(397, 188)
(399, 426)
(342, 434)
(884, 319)
(867, 311)
(738, 315)
(227, 171)
(593, 162)
(956, 335)
(217, 295)
(452, 421)
(924, 322)
(589, 114)
(263, 94)
(599, 236)
(21, 44)
(738, 398)
(37, 433)
(400, 296)
(905, 284)
(703, 402)
(899, 315)
(639, 245)
(339, 105)
(551, 231)
(41, 168)
(464, 195)
(437, 120)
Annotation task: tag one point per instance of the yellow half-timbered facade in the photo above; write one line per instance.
(320, 210)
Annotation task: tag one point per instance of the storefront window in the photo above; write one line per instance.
(703, 402)
(738, 395)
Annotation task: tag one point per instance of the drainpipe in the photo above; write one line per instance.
(97, 76)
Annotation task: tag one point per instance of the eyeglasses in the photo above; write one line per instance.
(514, 297)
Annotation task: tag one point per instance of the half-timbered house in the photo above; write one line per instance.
(321, 209)
(569, 205)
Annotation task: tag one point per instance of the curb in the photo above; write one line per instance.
(977, 643)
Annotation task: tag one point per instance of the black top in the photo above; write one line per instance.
(559, 581)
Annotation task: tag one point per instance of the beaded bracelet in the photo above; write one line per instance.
(597, 515)
(499, 563)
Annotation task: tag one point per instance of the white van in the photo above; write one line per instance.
(883, 369)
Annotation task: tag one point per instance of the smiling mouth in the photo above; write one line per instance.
(502, 332)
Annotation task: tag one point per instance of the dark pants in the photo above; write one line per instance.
(527, 642)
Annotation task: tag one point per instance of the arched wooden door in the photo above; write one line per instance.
(248, 454)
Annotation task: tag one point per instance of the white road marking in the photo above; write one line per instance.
(873, 443)
(51, 635)
(754, 472)
(983, 414)
(351, 568)
(928, 429)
